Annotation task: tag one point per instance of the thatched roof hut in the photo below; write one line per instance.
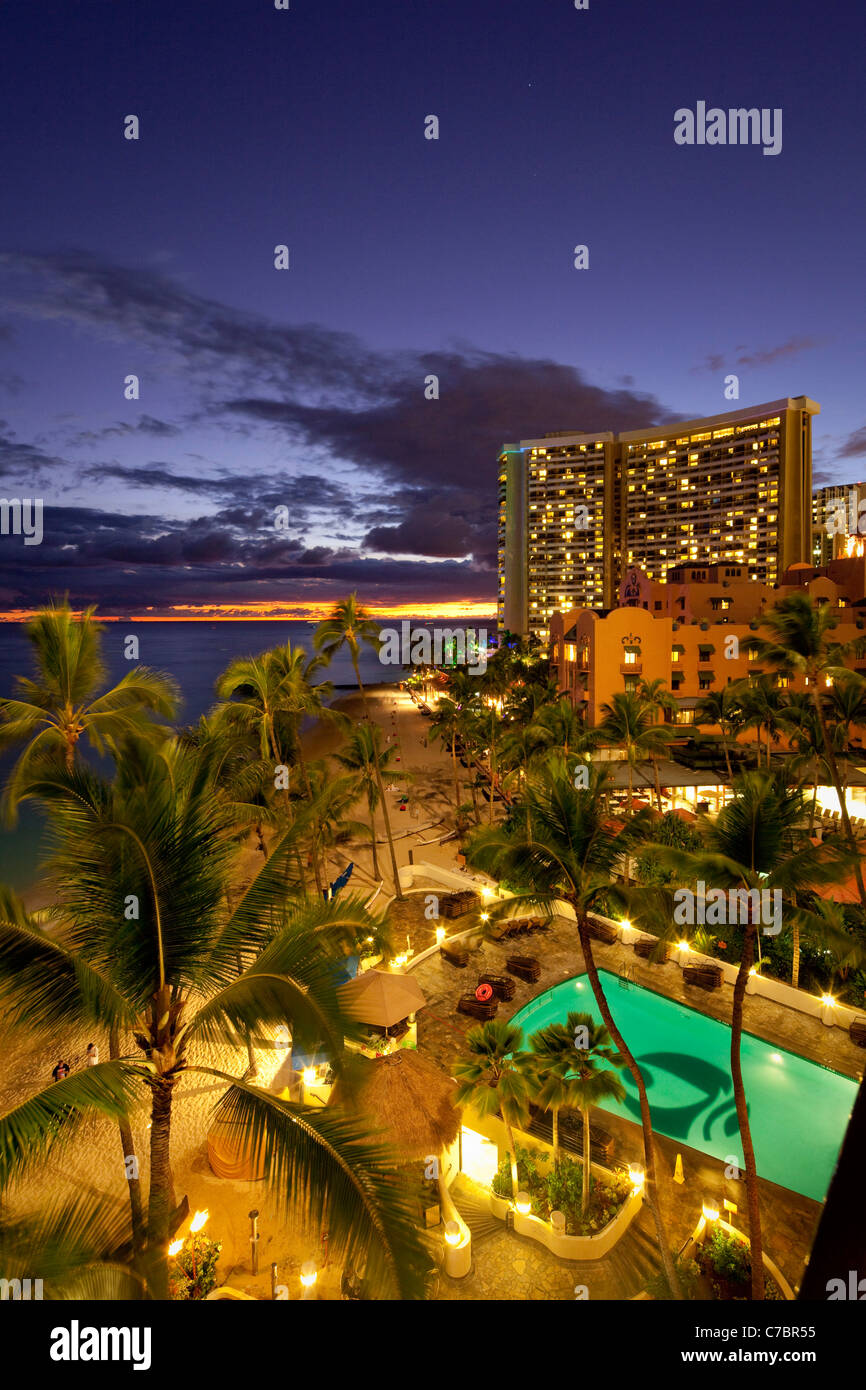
(410, 1098)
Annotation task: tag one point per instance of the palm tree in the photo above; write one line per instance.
(572, 856)
(521, 746)
(53, 710)
(360, 755)
(630, 723)
(720, 707)
(592, 1082)
(349, 625)
(801, 643)
(489, 729)
(495, 1079)
(445, 726)
(167, 978)
(754, 844)
(565, 726)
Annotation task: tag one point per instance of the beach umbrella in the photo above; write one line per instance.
(380, 997)
(408, 1097)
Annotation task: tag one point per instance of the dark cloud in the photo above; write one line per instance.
(855, 445)
(758, 357)
(417, 477)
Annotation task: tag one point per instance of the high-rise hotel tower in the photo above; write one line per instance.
(577, 510)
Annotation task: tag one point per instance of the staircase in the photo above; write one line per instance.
(474, 1210)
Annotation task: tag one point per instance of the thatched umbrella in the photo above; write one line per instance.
(408, 1097)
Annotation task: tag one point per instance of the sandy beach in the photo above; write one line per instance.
(94, 1158)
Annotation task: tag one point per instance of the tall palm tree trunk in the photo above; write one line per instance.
(840, 792)
(161, 1203)
(755, 1234)
(727, 756)
(512, 1154)
(398, 891)
(584, 1199)
(128, 1144)
(554, 1120)
(373, 834)
(454, 768)
(646, 1120)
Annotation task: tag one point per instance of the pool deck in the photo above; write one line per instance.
(789, 1219)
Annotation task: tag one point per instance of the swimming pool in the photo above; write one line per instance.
(797, 1109)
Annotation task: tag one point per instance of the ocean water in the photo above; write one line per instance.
(194, 654)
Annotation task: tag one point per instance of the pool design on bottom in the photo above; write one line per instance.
(798, 1110)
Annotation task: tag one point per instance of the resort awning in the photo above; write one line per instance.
(670, 774)
(380, 997)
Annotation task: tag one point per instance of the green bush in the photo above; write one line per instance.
(688, 1274)
(194, 1273)
(563, 1191)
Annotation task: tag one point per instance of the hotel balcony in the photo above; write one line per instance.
(631, 668)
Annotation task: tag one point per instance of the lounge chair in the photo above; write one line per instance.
(468, 1004)
(524, 967)
(705, 976)
(601, 931)
(645, 946)
(502, 987)
(455, 955)
(857, 1031)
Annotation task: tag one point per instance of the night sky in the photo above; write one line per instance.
(304, 388)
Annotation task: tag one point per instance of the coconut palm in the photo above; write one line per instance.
(572, 856)
(722, 708)
(445, 726)
(801, 643)
(350, 626)
(755, 843)
(565, 726)
(52, 711)
(592, 1081)
(490, 732)
(495, 1078)
(360, 755)
(629, 723)
(145, 944)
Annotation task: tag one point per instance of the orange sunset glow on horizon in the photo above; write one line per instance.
(461, 609)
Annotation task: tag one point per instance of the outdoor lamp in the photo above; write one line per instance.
(683, 946)
(198, 1220)
(636, 1175)
(440, 935)
(309, 1274)
(452, 1233)
(309, 1076)
(827, 1000)
(709, 1210)
(175, 1248)
(485, 916)
(523, 1203)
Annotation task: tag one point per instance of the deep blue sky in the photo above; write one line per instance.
(305, 388)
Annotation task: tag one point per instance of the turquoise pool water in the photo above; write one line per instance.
(798, 1110)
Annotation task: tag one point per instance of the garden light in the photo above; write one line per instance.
(440, 935)
(710, 1211)
(452, 1233)
(309, 1076)
(309, 1274)
(199, 1220)
(523, 1203)
(175, 1248)
(637, 1176)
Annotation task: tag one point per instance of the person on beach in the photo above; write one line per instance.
(92, 1058)
(60, 1072)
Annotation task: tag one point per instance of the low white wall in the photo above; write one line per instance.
(572, 1247)
(776, 990)
(702, 1231)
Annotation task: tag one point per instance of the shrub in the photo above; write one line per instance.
(194, 1273)
(688, 1274)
